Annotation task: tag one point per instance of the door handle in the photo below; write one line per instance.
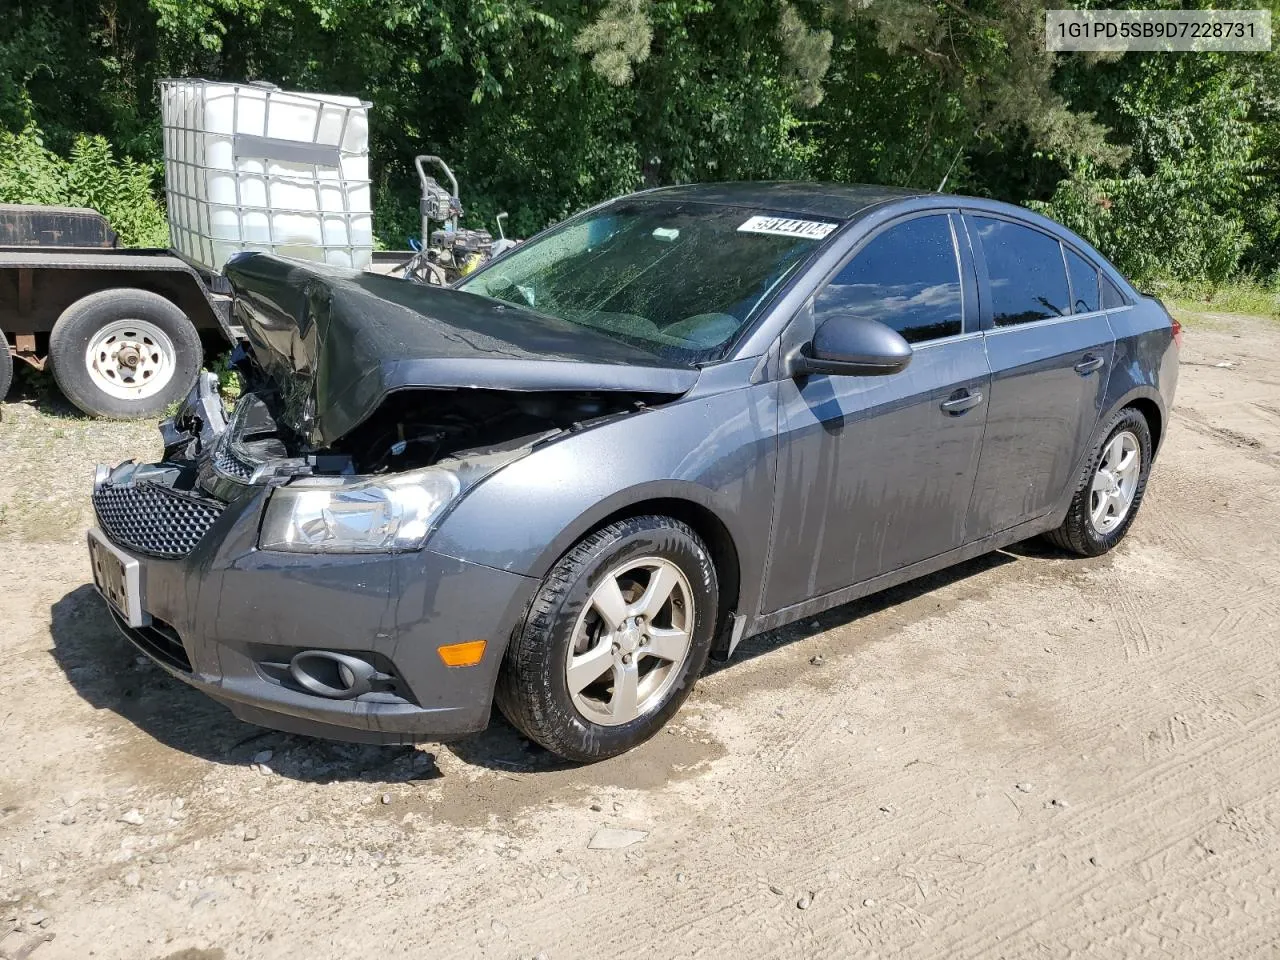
(1089, 364)
(962, 401)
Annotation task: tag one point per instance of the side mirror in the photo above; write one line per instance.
(852, 346)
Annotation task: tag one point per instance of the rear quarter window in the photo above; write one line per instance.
(1112, 298)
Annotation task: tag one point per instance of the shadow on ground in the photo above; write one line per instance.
(38, 389)
(110, 674)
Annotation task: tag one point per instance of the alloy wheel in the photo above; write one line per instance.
(630, 641)
(1115, 483)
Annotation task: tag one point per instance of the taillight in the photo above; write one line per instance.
(1177, 332)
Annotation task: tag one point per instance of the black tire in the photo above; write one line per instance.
(532, 689)
(1078, 534)
(6, 366)
(79, 324)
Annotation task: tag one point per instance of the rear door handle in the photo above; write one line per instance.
(962, 401)
(1089, 364)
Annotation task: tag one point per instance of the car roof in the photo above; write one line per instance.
(841, 201)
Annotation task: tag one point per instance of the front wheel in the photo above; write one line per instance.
(124, 353)
(1110, 488)
(614, 640)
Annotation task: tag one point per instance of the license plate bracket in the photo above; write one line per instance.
(118, 578)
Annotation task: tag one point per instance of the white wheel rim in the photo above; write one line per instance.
(1115, 483)
(130, 359)
(630, 642)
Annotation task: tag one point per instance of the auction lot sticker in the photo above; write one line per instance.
(784, 227)
(1195, 31)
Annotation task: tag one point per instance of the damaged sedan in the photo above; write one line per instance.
(674, 421)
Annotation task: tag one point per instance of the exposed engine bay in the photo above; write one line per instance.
(356, 377)
(412, 429)
(421, 427)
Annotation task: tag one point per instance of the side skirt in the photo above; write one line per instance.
(807, 608)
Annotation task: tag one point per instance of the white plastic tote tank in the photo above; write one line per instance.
(253, 167)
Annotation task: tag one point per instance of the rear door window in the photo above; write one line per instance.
(1084, 283)
(907, 277)
(1025, 268)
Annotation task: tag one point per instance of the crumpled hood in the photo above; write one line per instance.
(337, 342)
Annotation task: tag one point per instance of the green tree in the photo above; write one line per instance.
(1170, 163)
(1177, 208)
(120, 189)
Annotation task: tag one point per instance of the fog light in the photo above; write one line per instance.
(466, 654)
(333, 675)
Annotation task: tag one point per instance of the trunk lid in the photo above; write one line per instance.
(337, 343)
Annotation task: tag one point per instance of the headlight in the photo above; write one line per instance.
(385, 514)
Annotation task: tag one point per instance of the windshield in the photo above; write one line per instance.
(677, 279)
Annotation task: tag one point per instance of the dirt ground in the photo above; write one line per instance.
(1026, 756)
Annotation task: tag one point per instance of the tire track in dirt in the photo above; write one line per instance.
(1154, 778)
(1235, 895)
(1253, 751)
(1250, 445)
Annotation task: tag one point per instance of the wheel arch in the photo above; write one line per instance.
(1148, 402)
(1143, 398)
(711, 530)
(1154, 416)
(689, 503)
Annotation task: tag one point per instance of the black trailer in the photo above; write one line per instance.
(123, 329)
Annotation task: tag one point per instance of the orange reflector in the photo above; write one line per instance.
(466, 654)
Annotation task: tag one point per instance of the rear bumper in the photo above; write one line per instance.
(228, 618)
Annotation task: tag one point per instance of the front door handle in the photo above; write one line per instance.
(961, 401)
(1089, 364)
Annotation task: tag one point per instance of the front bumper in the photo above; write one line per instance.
(227, 618)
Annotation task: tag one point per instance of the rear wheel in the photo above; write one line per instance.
(124, 353)
(1110, 488)
(614, 641)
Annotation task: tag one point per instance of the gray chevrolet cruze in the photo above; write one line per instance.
(676, 420)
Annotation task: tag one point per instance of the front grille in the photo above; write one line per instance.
(159, 641)
(154, 520)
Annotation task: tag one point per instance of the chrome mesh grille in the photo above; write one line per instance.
(154, 520)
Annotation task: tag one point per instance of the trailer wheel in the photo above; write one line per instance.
(124, 353)
(6, 366)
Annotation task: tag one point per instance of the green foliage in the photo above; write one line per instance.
(121, 190)
(1242, 295)
(807, 54)
(618, 40)
(230, 383)
(1169, 163)
(28, 172)
(989, 57)
(1176, 210)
